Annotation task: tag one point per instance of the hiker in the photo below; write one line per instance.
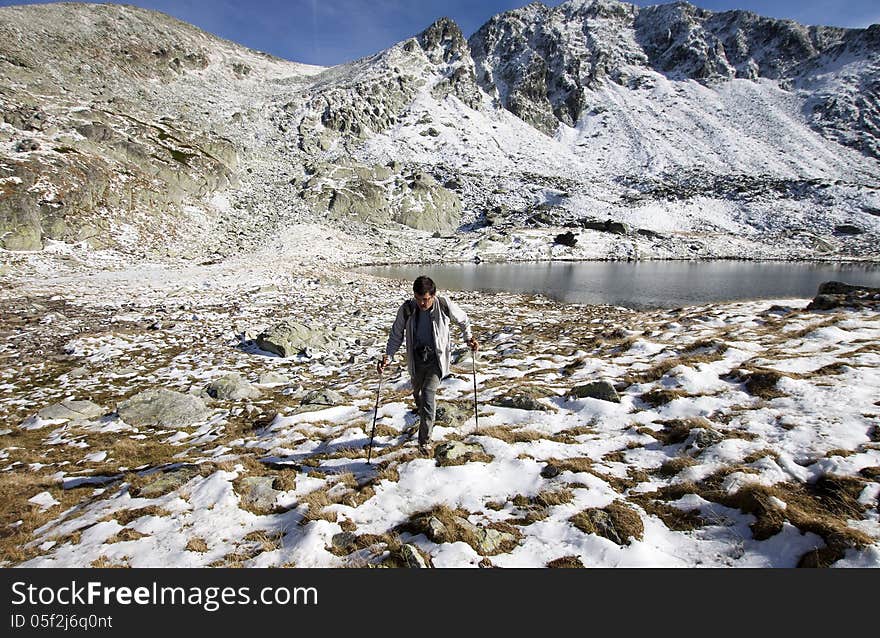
(424, 321)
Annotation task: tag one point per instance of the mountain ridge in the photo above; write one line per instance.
(545, 118)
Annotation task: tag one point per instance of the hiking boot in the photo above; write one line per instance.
(425, 449)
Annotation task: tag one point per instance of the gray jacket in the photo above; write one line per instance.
(404, 327)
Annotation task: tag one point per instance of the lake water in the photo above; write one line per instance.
(646, 284)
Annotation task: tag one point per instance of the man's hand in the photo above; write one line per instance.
(382, 364)
(473, 345)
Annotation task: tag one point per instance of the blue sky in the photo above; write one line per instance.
(329, 32)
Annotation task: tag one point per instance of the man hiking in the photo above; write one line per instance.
(424, 322)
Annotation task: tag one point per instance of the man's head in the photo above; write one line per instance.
(424, 291)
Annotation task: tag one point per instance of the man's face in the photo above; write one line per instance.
(425, 301)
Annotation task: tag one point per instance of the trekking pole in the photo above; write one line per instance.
(375, 414)
(476, 417)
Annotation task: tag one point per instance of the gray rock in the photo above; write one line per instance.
(841, 288)
(344, 541)
(602, 390)
(291, 337)
(604, 527)
(72, 411)
(257, 494)
(165, 408)
(848, 229)
(489, 541)
(701, 438)
(455, 452)
(323, 397)
(451, 415)
(232, 387)
(836, 294)
(437, 531)
(492, 541)
(167, 482)
(27, 145)
(273, 378)
(566, 239)
(549, 471)
(413, 557)
(826, 302)
(520, 401)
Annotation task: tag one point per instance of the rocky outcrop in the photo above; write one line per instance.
(836, 294)
(381, 195)
(446, 48)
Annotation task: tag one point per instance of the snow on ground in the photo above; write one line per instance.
(747, 434)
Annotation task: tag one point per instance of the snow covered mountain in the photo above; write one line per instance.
(666, 131)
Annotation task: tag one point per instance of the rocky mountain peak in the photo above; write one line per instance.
(443, 42)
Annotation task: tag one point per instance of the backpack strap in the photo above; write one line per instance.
(444, 306)
(409, 307)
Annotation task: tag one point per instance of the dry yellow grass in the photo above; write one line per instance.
(197, 545)
(124, 517)
(574, 464)
(125, 534)
(566, 562)
(676, 465)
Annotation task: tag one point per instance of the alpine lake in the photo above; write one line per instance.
(642, 284)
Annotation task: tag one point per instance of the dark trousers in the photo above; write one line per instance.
(425, 382)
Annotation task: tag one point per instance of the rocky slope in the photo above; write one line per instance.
(696, 134)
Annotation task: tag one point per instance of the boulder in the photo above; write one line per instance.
(566, 239)
(166, 482)
(848, 229)
(602, 390)
(457, 453)
(232, 387)
(617, 228)
(701, 438)
(451, 415)
(257, 494)
(492, 541)
(841, 288)
(273, 378)
(609, 226)
(291, 337)
(549, 471)
(322, 397)
(836, 294)
(75, 411)
(826, 302)
(163, 408)
(520, 400)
